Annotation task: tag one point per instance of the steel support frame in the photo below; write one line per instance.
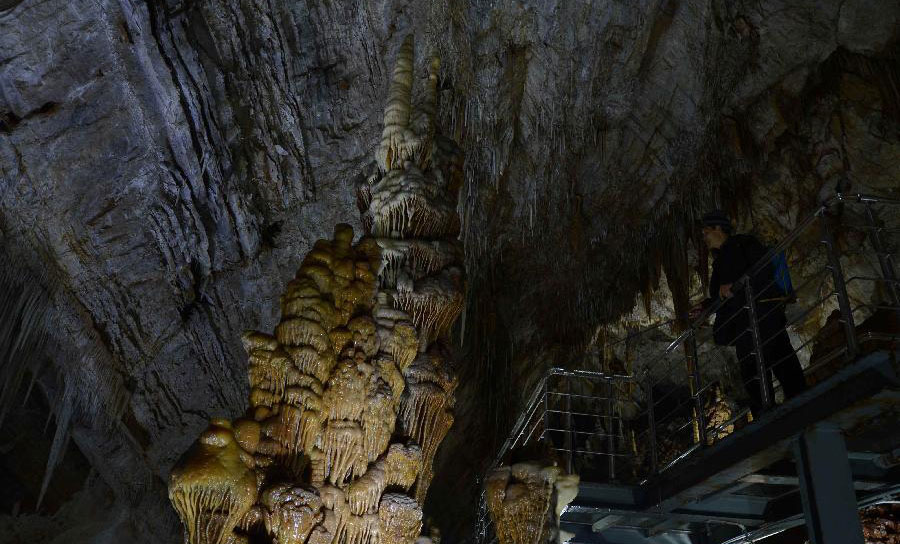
(826, 486)
(693, 362)
(840, 288)
(766, 393)
(885, 259)
(651, 428)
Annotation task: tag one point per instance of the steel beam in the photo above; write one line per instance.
(769, 479)
(826, 486)
(855, 394)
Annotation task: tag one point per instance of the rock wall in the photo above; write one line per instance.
(165, 165)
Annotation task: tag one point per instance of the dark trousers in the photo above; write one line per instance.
(779, 358)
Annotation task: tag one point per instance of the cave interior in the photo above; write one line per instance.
(357, 272)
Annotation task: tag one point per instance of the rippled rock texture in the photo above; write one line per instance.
(165, 165)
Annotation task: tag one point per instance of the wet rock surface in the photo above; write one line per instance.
(165, 165)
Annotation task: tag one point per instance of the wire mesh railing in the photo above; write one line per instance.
(628, 428)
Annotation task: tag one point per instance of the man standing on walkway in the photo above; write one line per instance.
(733, 256)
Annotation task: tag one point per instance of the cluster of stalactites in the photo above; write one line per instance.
(526, 500)
(313, 460)
(409, 208)
(353, 392)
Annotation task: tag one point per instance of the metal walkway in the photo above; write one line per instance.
(748, 484)
(663, 459)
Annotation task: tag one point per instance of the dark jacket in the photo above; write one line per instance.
(734, 259)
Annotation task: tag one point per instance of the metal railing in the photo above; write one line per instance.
(628, 428)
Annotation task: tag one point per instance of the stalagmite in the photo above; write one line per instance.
(423, 122)
(396, 137)
(291, 513)
(352, 393)
(400, 519)
(212, 487)
(526, 500)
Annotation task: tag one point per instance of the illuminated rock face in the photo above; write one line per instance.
(353, 393)
(526, 500)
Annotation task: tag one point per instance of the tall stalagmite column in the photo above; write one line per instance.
(353, 393)
(409, 206)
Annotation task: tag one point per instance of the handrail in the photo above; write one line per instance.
(575, 373)
(642, 332)
(781, 246)
(758, 267)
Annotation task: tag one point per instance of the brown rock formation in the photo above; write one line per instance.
(353, 393)
(525, 501)
(881, 524)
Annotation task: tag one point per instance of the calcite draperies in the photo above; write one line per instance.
(353, 393)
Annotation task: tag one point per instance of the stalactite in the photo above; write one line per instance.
(426, 410)
(342, 443)
(24, 316)
(405, 204)
(402, 464)
(66, 405)
(396, 333)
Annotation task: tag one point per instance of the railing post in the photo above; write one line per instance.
(765, 392)
(840, 288)
(693, 361)
(651, 426)
(544, 434)
(571, 460)
(609, 430)
(885, 261)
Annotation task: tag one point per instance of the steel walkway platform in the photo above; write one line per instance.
(746, 486)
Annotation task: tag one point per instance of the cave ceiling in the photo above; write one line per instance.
(166, 165)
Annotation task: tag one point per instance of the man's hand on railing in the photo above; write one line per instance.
(696, 310)
(725, 291)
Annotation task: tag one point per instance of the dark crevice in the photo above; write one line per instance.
(9, 120)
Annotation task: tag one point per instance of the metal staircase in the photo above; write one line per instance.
(659, 464)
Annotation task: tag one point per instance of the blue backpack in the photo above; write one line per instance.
(783, 287)
(782, 274)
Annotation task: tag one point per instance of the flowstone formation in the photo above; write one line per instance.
(526, 500)
(409, 207)
(353, 393)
